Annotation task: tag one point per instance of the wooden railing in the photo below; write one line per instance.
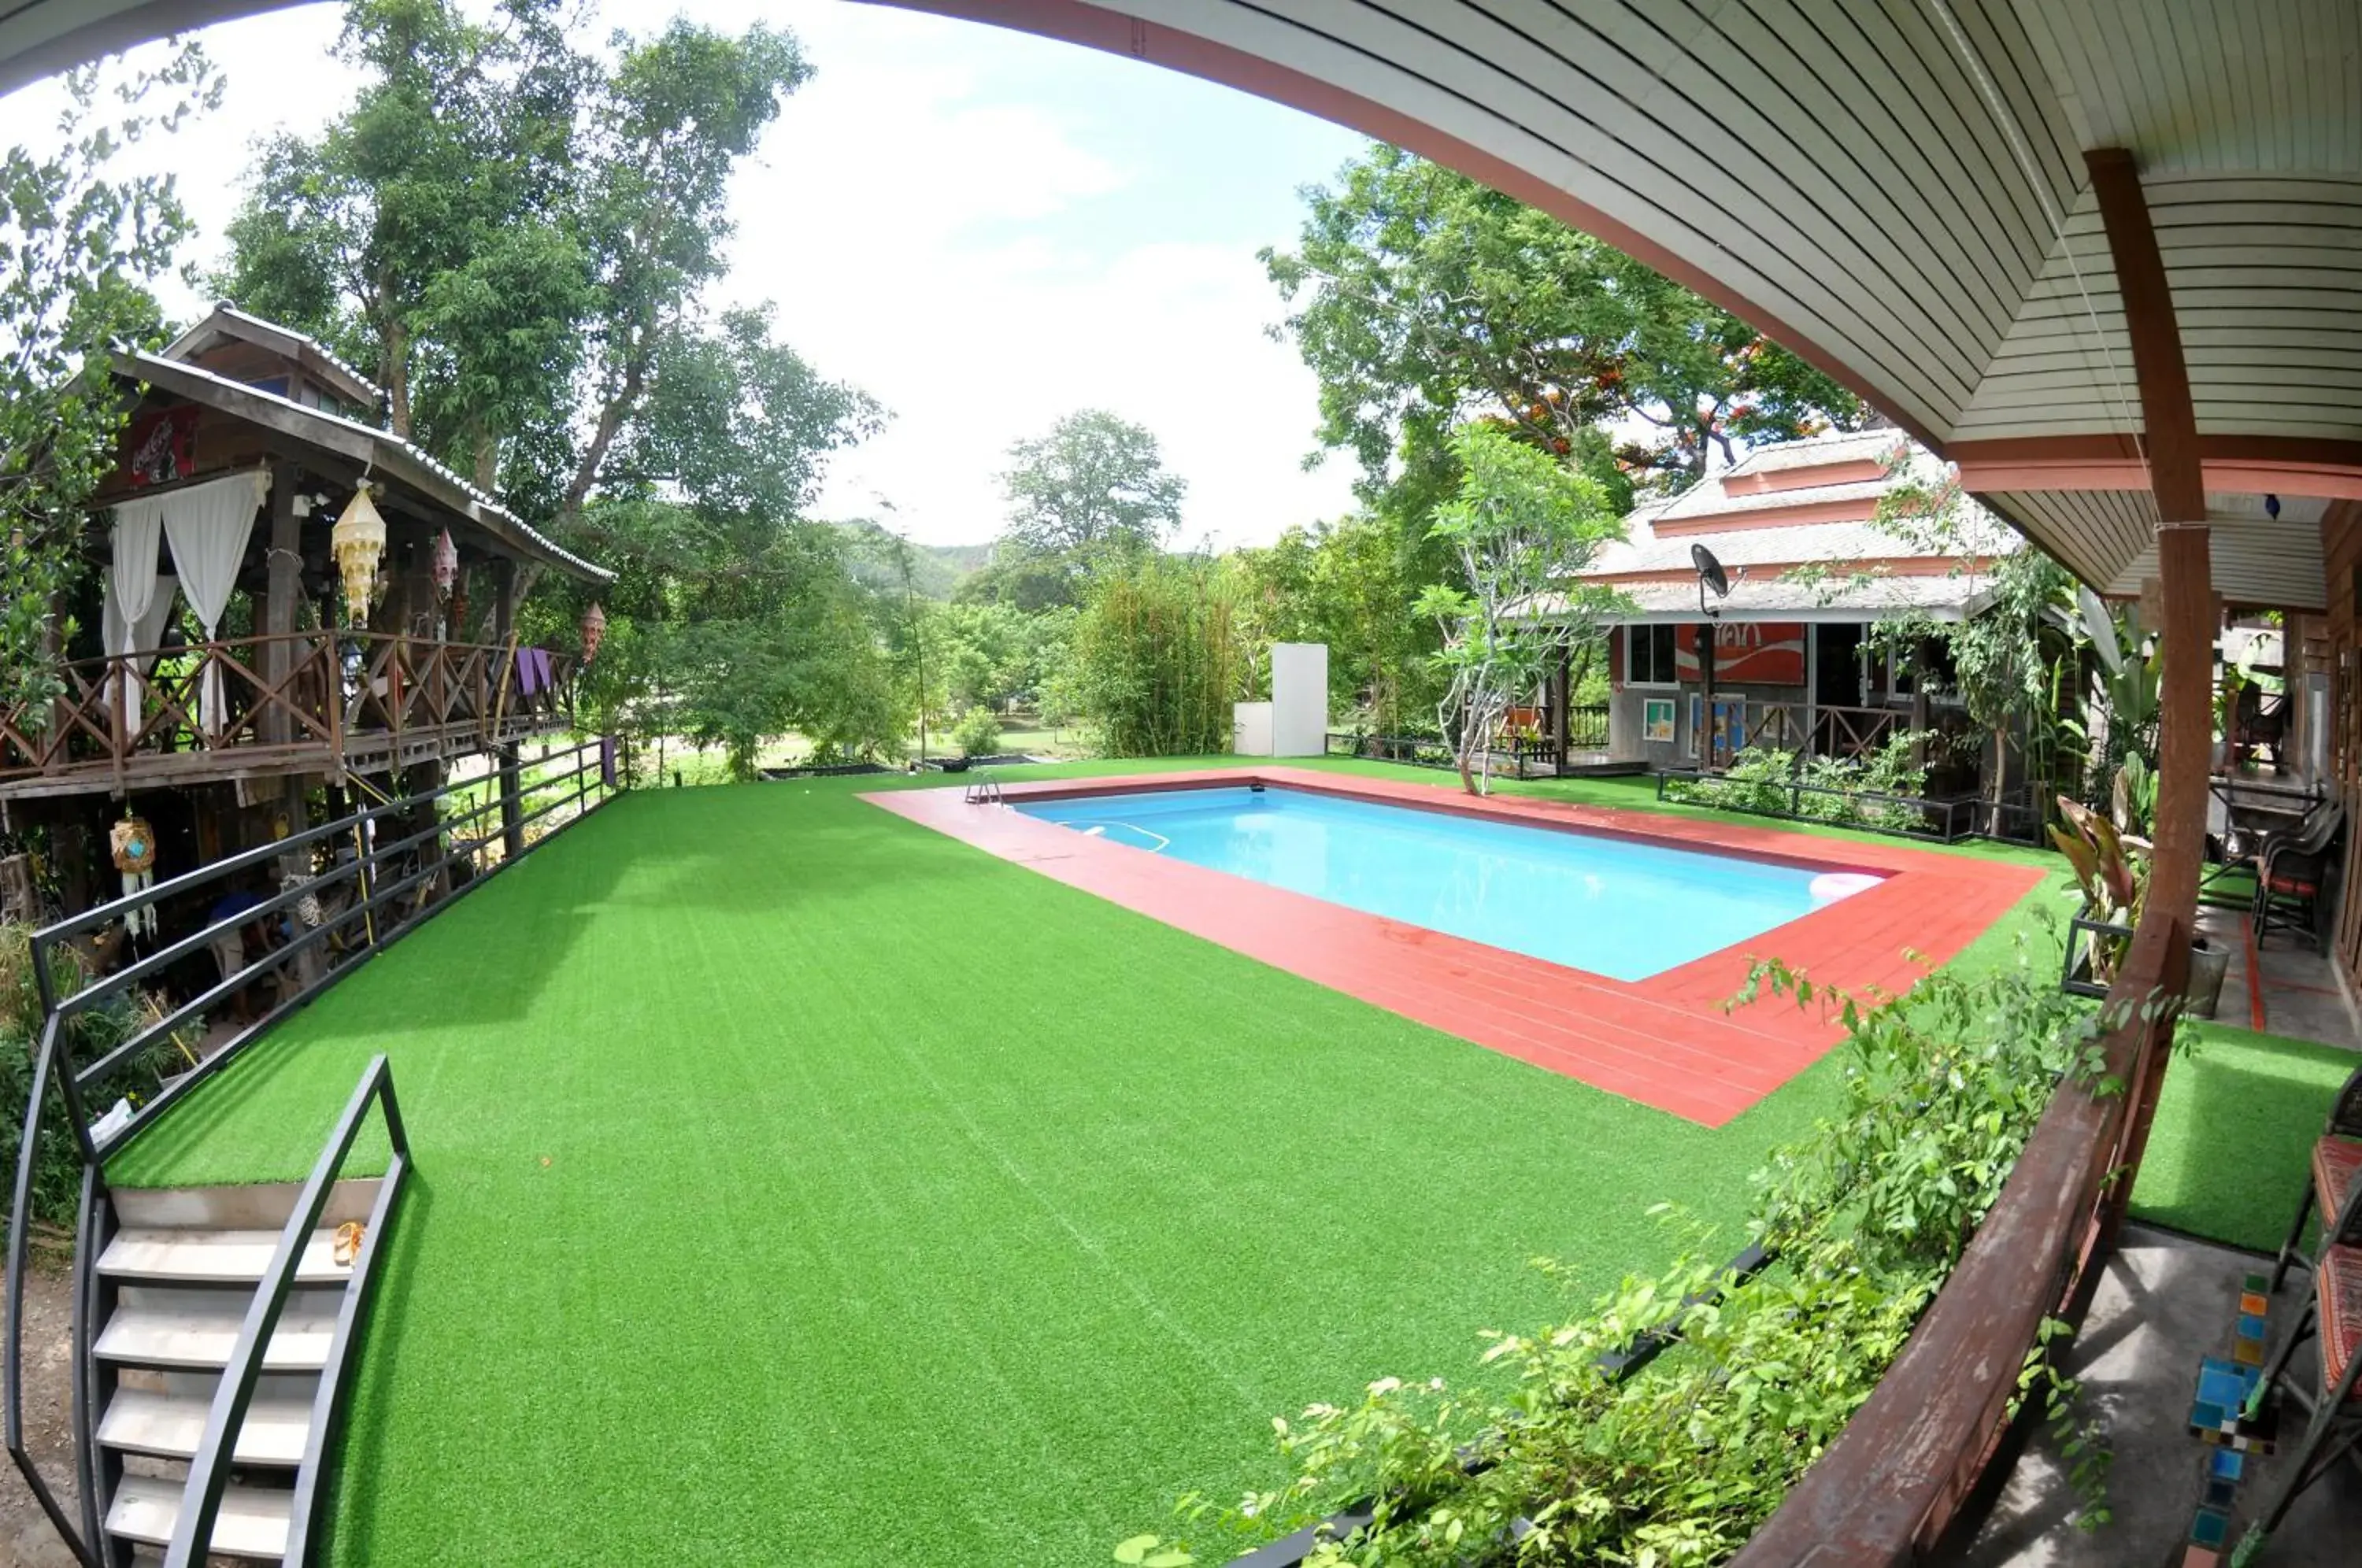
(1893, 1484)
(332, 692)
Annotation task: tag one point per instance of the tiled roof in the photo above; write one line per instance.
(1835, 447)
(1943, 596)
(465, 497)
(1769, 542)
(224, 309)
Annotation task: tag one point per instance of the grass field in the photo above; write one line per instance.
(796, 1184)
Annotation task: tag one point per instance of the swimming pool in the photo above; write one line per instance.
(1614, 907)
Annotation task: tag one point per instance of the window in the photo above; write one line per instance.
(1648, 656)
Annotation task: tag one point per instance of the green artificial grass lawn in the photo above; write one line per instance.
(797, 1185)
(2229, 1150)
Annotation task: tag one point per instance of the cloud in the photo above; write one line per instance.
(984, 231)
(958, 256)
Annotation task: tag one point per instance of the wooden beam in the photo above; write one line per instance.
(2170, 444)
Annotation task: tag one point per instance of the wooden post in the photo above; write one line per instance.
(1562, 704)
(2169, 442)
(505, 598)
(1705, 707)
(2185, 708)
(285, 587)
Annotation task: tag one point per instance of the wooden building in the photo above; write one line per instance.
(1796, 666)
(222, 680)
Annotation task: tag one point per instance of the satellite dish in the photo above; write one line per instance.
(1710, 570)
(1710, 575)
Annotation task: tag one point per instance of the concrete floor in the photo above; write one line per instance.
(2284, 985)
(2164, 1302)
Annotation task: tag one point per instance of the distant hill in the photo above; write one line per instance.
(935, 569)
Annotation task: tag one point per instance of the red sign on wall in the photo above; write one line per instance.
(1746, 653)
(163, 446)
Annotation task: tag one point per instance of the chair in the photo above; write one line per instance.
(2333, 1413)
(2336, 1157)
(2292, 867)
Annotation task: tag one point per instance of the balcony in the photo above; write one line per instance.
(300, 702)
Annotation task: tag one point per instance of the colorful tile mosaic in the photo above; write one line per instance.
(2232, 1411)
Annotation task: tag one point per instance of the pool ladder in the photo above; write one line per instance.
(985, 791)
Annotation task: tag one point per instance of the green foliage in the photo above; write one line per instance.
(2111, 866)
(2015, 660)
(1155, 663)
(1420, 297)
(78, 250)
(978, 733)
(1348, 585)
(90, 1034)
(937, 572)
(1520, 527)
(1088, 499)
(1680, 1461)
(1758, 779)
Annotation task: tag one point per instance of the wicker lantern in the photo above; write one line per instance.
(357, 541)
(446, 563)
(594, 626)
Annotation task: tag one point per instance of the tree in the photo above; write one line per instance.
(1422, 299)
(2014, 659)
(78, 250)
(517, 233)
(1521, 527)
(1347, 584)
(432, 230)
(1091, 493)
(1155, 668)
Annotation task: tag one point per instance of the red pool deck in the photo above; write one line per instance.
(1665, 1041)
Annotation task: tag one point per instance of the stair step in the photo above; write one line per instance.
(191, 1329)
(171, 1426)
(258, 1206)
(253, 1521)
(216, 1257)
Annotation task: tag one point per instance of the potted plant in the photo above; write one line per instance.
(2112, 867)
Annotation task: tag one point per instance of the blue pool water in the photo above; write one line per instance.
(1609, 906)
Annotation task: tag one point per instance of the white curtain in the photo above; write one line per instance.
(130, 600)
(117, 636)
(208, 526)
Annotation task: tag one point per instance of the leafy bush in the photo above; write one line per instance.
(978, 732)
(1681, 1461)
(1155, 664)
(1758, 777)
(57, 1176)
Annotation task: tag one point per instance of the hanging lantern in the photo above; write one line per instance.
(446, 563)
(594, 626)
(357, 541)
(459, 623)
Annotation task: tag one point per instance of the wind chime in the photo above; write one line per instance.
(450, 586)
(357, 541)
(132, 844)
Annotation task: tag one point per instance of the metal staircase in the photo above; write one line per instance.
(173, 1290)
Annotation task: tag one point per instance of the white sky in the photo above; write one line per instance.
(981, 229)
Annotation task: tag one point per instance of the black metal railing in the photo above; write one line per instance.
(2016, 818)
(209, 1469)
(380, 878)
(1586, 728)
(1414, 751)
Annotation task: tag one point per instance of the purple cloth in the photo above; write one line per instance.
(607, 761)
(532, 671)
